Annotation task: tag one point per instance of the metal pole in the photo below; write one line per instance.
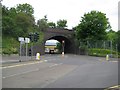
(104, 45)
(111, 48)
(87, 47)
(116, 51)
(26, 50)
(31, 51)
(63, 47)
(20, 52)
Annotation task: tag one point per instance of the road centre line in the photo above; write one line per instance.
(22, 64)
(21, 73)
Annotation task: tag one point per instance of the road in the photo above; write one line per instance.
(56, 71)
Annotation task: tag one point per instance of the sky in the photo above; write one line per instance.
(71, 10)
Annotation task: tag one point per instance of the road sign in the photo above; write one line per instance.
(27, 40)
(21, 39)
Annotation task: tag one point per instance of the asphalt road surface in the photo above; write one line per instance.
(56, 71)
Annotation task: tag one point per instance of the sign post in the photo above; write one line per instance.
(27, 40)
(21, 39)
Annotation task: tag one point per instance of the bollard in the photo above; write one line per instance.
(107, 57)
(38, 56)
(62, 53)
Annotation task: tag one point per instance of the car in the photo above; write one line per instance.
(51, 51)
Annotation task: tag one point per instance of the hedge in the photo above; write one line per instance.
(101, 52)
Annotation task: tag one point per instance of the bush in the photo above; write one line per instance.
(100, 52)
(9, 51)
(6, 51)
(83, 49)
(9, 45)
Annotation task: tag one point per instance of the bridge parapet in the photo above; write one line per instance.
(59, 30)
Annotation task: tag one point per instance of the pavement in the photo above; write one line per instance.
(15, 59)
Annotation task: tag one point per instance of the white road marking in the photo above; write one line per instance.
(55, 65)
(22, 64)
(113, 61)
(21, 73)
(45, 60)
(107, 61)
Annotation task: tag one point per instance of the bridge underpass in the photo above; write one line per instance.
(66, 45)
(59, 35)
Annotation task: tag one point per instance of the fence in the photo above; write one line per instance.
(97, 48)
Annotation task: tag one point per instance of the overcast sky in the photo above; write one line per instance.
(71, 10)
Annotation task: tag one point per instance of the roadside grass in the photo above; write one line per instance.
(9, 45)
(117, 87)
(102, 52)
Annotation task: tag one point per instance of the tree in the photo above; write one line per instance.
(17, 21)
(24, 23)
(25, 8)
(5, 10)
(8, 24)
(52, 25)
(42, 23)
(59, 47)
(93, 26)
(62, 23)
(111, 35)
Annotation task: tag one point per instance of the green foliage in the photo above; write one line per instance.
(52, 25)
(41, 37)
(42, 23)
(93, 26)
(25, 8)
(62, 23)
(17, 22)
(8, 47)
(59, 47)
(8, 25)
(101, 52)
(111, 35)
(24, 23)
